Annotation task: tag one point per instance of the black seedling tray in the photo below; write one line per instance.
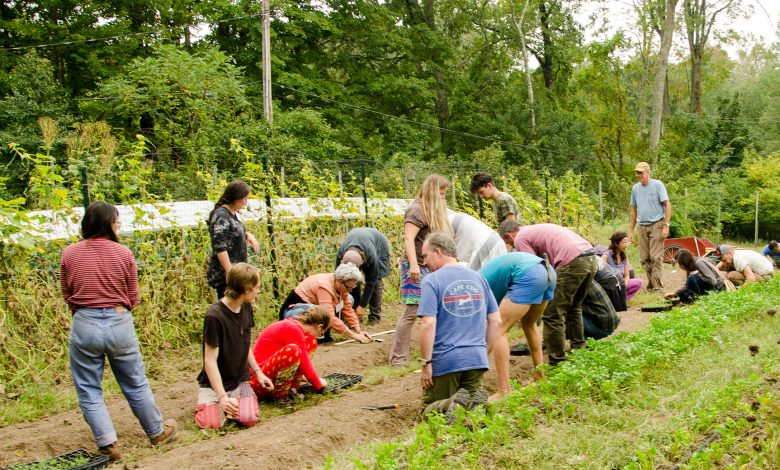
(80, 459)
(657, 307)
(335, 381)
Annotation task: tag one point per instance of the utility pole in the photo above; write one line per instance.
(267, 103)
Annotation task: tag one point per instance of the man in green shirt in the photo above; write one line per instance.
(504, 205)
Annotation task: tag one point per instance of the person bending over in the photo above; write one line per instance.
(701, 277)
(225, 392)
(331, 292)
(522, 284)
(284, 349)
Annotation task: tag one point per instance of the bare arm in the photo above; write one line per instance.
(427, 336)
(262, 379)
(632, 224)
(224, 261)
(749, 275)
(210, 355)
(667, 218)
(410, 232)
(493, 327)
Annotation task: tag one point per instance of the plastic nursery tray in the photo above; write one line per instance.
(657, 307)
(335, 381)
(80, 459)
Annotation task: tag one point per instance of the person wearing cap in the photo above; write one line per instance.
(650, 207)
(574, 261)
(369, 250)
(743, 266)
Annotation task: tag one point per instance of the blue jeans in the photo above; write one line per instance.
(97, 334)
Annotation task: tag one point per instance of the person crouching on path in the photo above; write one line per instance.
(283, 351)
(331, 292)
(523, 284)
(99, 282)
(459, 319)
(227, 334)
(701, 277)
(743, 266)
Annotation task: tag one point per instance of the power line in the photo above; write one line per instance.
(127, 35)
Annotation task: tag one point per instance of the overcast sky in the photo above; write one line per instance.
(760, 26)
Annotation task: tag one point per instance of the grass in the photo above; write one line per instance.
(637, 400)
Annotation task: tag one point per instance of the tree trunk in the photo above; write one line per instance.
(547, 60)
(696, 63)
(659, 87)
(528, 80)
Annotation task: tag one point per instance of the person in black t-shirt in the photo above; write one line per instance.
(227, 358)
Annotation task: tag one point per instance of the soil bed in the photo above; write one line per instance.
(298, 439)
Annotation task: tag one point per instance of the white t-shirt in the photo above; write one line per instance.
(758, 264)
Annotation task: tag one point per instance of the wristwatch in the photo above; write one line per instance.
(425, 362)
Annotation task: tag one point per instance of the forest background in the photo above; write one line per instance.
(146, 97)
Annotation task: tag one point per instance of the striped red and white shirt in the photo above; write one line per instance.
(98, 273)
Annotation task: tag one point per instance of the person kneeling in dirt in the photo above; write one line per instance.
(227, 334)
(283, 351)
(743, 266)
(369, 250)
(701, 276)
(331, 292)
(604, 296)
(523, 284)
(456, 304)
(772, 251)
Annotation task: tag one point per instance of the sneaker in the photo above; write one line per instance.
(112, 451)
(169, 430)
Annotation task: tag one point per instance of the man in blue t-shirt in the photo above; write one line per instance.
(650, 207)
(772, 250)
(459, 319)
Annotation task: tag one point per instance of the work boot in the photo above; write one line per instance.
(373, 319)
(169, 430)
(112, 451)
(479, 397)
(461, 399)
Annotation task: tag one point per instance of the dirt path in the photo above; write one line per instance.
(300, 439)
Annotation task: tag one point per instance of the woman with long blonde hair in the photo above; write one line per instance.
(426, 214)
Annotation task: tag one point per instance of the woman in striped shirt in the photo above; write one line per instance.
(99, 281)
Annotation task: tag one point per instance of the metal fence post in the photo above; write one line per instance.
(84, 187)
(270, 227)
(365, 192)
(479, 199)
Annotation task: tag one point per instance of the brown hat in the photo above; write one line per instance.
(642, 166)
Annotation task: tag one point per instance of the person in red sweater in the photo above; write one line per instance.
(283, 351)
(99, 282)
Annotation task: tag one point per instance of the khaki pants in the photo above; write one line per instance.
(737, 278)
(651, 252)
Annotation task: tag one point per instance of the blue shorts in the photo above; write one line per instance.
(533, 288)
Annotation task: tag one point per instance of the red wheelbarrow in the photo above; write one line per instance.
(697, 246)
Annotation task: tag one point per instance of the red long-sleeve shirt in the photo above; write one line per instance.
(98, 273)
(278, 335)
